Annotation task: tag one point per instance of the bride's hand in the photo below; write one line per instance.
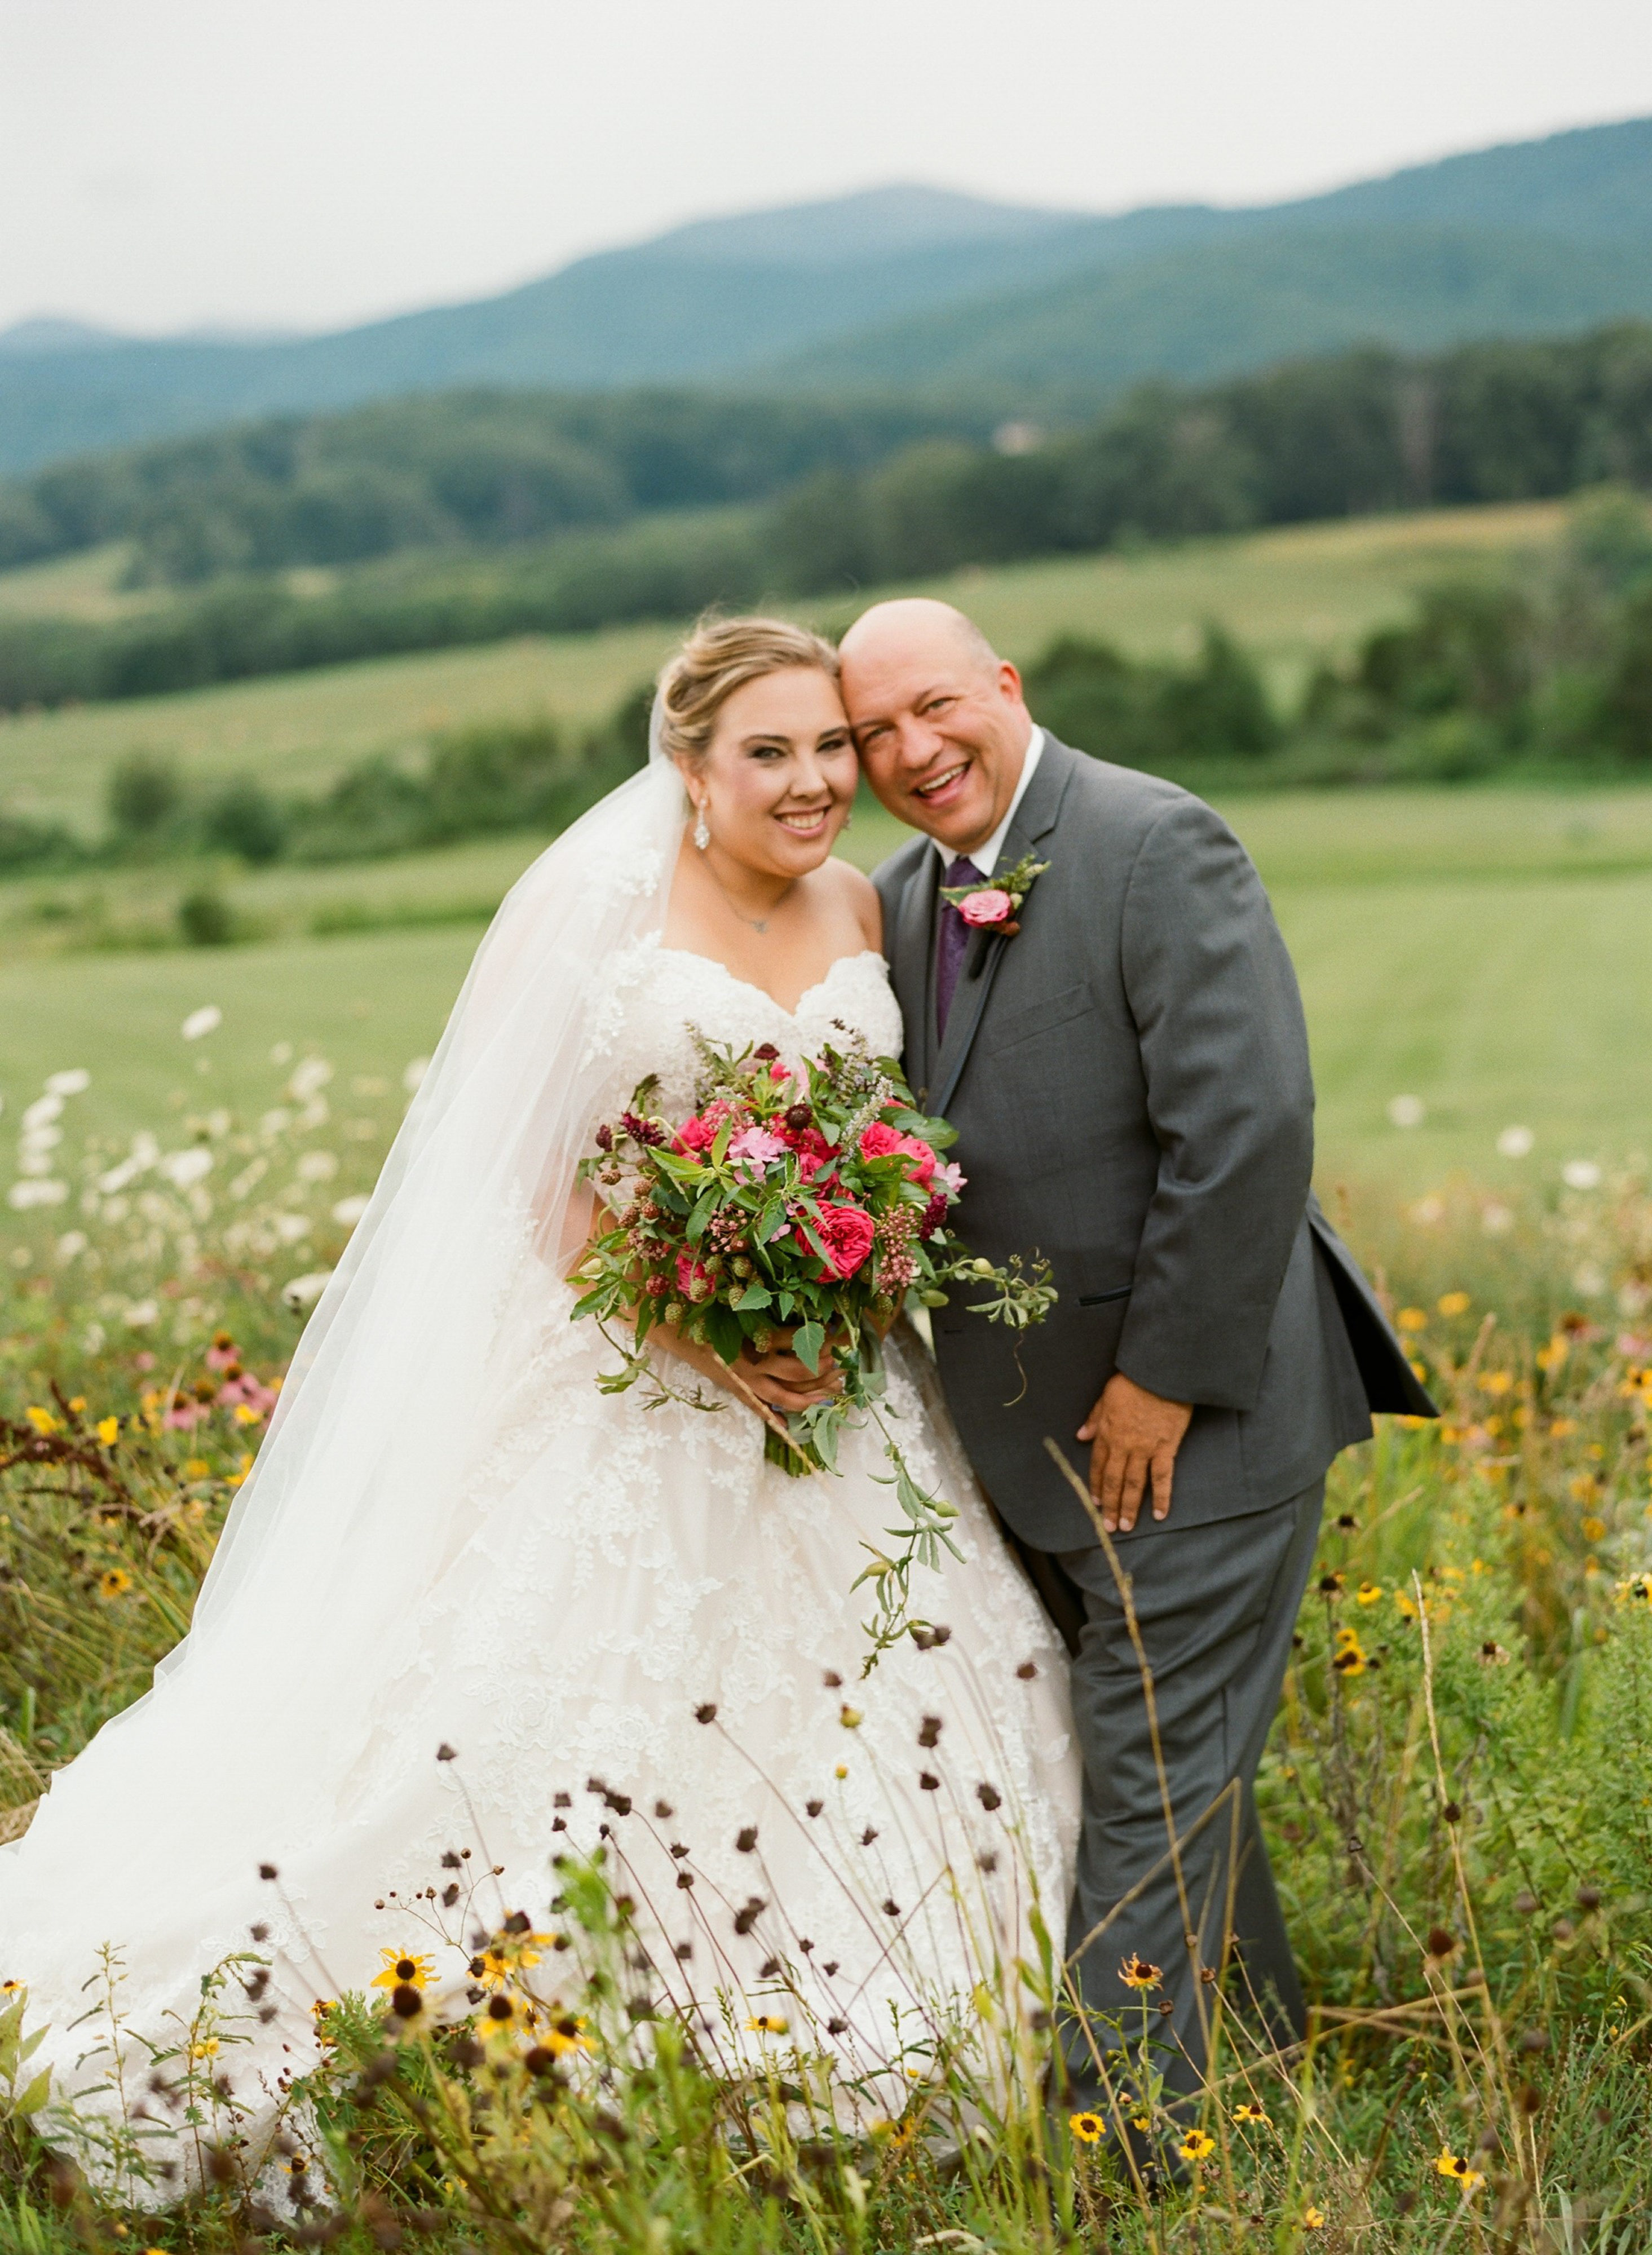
(778, 1380)
(784, 1381)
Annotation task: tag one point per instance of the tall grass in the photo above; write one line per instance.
(1457, 1795)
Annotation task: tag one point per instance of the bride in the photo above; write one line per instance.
(468, 1605)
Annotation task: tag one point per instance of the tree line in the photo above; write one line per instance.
(1546, 669)
(1353, 434)
(473, 468)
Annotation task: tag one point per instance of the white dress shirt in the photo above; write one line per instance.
(985, 856)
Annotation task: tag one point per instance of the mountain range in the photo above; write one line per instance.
(1033, 313)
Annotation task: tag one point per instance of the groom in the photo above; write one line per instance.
(1127, 1072)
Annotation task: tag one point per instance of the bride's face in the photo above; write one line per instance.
(779, 775)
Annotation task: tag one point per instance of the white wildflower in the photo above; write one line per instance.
(183, 1168)
(309, 1078)
(303, 1292)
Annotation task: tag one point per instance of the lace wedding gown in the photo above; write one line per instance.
(614, 1571)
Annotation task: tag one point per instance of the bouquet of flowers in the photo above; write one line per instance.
(800, 1209)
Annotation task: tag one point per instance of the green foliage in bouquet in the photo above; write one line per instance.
(798, 1210)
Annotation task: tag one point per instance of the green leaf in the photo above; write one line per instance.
(755, 1296)
(808, 1343)
(723, 1331)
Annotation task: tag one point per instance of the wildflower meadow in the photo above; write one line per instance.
(1459, 1795)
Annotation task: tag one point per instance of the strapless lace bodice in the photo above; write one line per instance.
(658, 995)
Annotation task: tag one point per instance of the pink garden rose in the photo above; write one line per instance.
(847, 1233)
(880, 1142)
(986, 908)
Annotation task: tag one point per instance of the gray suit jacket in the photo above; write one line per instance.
(1128, 1077)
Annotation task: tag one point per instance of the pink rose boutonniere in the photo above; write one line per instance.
(996, 907)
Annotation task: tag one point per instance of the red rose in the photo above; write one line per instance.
(880, 1142)
(846, 1231)
(809, 1143)
(698, 1131)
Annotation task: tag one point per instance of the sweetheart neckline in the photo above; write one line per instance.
(861, 955)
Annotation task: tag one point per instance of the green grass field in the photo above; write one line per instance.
(1485, 951)
(1293, 596)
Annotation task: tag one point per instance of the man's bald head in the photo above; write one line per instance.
(939, 718)
(913, 623)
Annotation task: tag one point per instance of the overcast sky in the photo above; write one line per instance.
(306, 163)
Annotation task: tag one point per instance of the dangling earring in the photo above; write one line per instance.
(702, 835)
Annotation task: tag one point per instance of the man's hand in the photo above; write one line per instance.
(1134, 1436)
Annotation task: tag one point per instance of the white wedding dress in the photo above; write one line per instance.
(607, 1573)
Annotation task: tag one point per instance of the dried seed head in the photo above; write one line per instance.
(988, 1796)
(930, 1731)
(746, 1838)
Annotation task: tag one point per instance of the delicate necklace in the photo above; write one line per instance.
(757, 923)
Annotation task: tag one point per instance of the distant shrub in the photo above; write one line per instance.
(243, 818)
(206, 919)
(145, 794)
(1158, 716)
(25, 844)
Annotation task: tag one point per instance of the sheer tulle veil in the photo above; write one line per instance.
(354, 1507)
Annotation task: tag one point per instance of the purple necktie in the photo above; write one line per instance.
(951, 941)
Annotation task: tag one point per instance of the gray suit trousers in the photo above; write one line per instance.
(1216, 1605)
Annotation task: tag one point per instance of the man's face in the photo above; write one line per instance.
(942, 737)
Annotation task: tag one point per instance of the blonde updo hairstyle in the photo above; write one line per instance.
(718, 657)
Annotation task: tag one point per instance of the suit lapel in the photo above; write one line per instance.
(1034, 819)
(915, 966)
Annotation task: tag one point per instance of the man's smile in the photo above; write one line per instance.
(939, 787)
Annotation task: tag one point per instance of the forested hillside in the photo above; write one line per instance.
(1034, 311)
(481, 468)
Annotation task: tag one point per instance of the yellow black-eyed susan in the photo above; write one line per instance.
(403, 1969)
(1086, 2128)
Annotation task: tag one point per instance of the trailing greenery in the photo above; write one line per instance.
(1456, 1791)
